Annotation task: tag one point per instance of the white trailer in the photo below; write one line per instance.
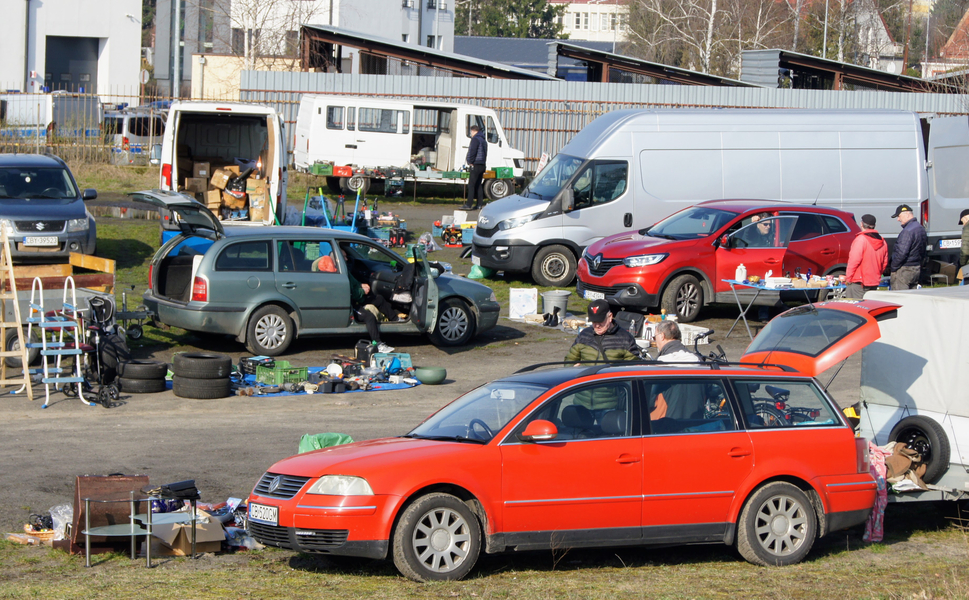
(424, 142)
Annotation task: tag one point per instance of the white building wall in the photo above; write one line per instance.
(594, 20)
(115, 23)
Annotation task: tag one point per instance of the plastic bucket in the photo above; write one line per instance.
(556, 298)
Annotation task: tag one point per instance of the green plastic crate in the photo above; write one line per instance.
(282, 373)
(452, 175)
(504, 173)
(324, 169)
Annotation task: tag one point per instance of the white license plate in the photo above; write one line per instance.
(49, 240)
(950, 244)
(475, 260)
(590, 295)
(260, 513)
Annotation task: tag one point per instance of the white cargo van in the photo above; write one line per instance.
(381, 138)
(630, 168)
(225, 134)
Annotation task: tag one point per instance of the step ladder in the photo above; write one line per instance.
(60, 337)
(8, 293)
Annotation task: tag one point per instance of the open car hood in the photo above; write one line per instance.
(815, 337)
(192, 215)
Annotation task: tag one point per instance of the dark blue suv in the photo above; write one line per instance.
(43, 209)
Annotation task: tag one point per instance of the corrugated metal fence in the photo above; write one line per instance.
(542, 116)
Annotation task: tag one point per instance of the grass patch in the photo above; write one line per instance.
(114, 178)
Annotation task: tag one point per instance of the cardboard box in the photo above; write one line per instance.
(255, 186)
(257, 213)
(175, 539)
(221, 177)
(202, 169)
(213, 198)
(232, 202)
(197, 185)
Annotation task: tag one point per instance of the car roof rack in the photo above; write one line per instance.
(596, 366)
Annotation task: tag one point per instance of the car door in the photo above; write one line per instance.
(426, 296)
(811, 247)
(321, 297)
(759, 252)
(697, 458)
(584, 485)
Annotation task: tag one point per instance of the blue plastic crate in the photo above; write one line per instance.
(379, 233)
(383, 359)
(437, 231)
(467, 235)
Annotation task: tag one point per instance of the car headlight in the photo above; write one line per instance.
(341, 485)
(643, 260)
(516, 222)
(78, 224)
(7, 224)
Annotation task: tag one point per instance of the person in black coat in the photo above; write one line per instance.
(478, 159)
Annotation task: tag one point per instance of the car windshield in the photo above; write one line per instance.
(480, 414)
(36, 182)
(553, 177)
(806, 330)
(692, 223)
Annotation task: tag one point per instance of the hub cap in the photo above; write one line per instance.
(453, 323)
(442, 539)
(781, 525)
(270, 331)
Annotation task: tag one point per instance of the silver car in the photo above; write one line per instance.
(264, 284)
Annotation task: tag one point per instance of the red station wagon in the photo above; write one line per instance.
(680, 263)
(754, 455)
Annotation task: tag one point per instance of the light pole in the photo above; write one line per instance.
(824, 43)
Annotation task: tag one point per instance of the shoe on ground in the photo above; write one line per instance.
(466, 207)
(384, 348)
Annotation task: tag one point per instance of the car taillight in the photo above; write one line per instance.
(125, 143)
(200, 290)
(861, 453)
(167, 176)
(151, 270)
(925, 213)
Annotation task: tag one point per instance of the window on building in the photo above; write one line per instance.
(431, 41)
(585, 20)
(206, 24)
(595, 22)
(405, 38)
(578, 20)
(613, 18)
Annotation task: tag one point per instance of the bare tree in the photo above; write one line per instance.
(690, 28)
(263, 29)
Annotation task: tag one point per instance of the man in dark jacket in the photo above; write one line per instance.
(964, 221)
(909, 251)
(478, 159)
(605, 340)
(867, 260)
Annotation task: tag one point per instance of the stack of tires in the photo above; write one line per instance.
(142, 376)
(201, 375)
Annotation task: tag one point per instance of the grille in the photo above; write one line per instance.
(288, 486)
(581, 286)
(270, 535)
(322, 539)
(45, 226)
(485, 232)
(604, 265)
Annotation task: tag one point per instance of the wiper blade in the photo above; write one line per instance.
(447, 438)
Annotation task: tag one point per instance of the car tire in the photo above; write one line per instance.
(200, 389)
(554, 266)
(12, 344)
(455, 324)
(333, 183)
(270, 331)
(201, 365)
(683, 297)
(142, 386)
(778, 526)
(927, 437)
(496, 189)
(143, 369)
(446, 522)
(352, 184)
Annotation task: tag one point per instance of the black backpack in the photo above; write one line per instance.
(631, 322)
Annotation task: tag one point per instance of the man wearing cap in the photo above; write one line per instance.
(909, 251)
(477, 159)
(604, 341)
(964, 221)
(867, 260)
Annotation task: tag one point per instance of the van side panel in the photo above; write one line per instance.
(949, 177)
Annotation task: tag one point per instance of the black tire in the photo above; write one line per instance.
(777, 527)
(143, 369)
(350, 185)
(455, 324)
(200, 389)
(683, 297)
(334, 184)
(201, 365)
(495, 189)
(446, 520)
(270, 331)
(142, 386)
(12, 343)
(927, 437)
(554, 266)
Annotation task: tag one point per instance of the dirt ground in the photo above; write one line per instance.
(226, 445)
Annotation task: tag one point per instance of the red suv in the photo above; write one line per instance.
(680, 263)
(754, 455)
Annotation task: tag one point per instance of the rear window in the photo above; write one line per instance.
(145, 126)
(773, 404)
(244, 256)
(806, 330)
(111, 125)
(835, 225)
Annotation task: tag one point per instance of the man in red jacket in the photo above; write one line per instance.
(867, 260)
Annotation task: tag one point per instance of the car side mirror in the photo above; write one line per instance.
(89, 194)
(155, 157)
(568, 200)
(539, 431)
(435, 273)
(724, 241)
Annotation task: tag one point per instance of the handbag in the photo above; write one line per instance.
(631, 322)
